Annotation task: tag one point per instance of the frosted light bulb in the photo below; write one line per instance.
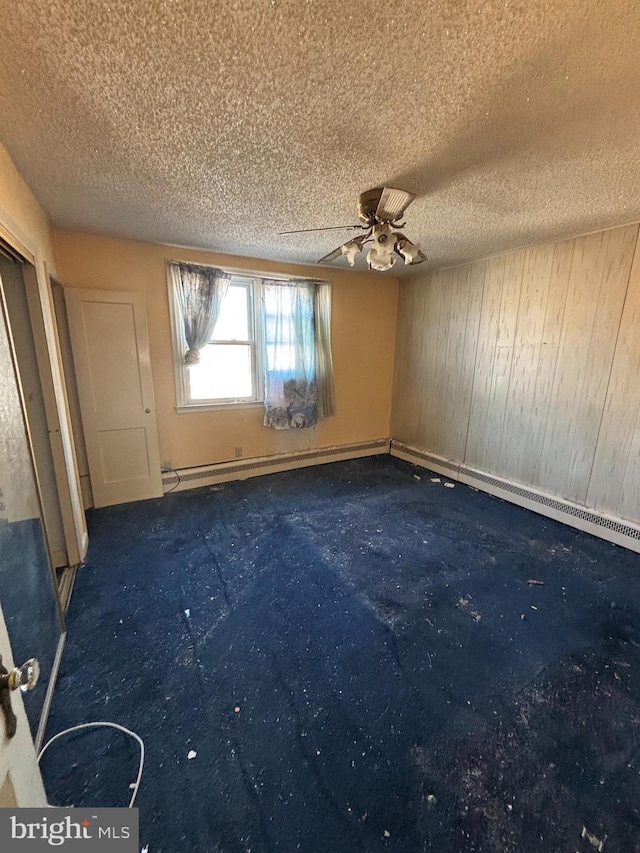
(380, 261)
(350, 250)
(408, 250)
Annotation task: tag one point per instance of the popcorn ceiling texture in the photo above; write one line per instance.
(219, 124)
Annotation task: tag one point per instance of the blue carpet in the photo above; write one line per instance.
(360, 663)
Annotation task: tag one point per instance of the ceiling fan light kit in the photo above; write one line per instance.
(379, 211)
(352, 248)
(380, 261)
(409, 251)
(380, 257)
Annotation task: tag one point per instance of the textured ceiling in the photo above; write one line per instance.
(218, 124)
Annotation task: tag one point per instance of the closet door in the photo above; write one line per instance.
(27, 588)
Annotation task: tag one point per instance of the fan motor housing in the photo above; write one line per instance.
(368, 202)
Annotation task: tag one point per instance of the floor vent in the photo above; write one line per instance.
(226, 471)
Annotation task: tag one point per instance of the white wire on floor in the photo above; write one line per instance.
(108, 726)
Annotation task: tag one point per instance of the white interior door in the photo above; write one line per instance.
(110, 344)
(20, 780)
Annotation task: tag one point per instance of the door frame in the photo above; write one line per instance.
(40, 298)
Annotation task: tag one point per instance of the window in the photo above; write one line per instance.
(279, 332)
(227, 368)
(291, 393)
(229, 371)
(241, 340)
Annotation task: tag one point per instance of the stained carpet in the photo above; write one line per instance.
(360, 661)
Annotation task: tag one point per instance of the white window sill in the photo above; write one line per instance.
(216, 407)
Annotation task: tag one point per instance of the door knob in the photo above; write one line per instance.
(148, 411)
(23, 677)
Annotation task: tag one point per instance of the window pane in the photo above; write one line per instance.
(278, 327)
(224, 373)
(281, 358)
(233, 322)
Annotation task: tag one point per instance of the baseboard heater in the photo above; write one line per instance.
(607, 527)
(224, 472)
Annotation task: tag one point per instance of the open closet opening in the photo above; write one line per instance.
(26, 327)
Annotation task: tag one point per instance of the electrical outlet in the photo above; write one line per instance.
(238, 452)
(167, 464)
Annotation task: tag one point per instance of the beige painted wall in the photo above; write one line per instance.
(526, 366)
(363, 335)
(21, 213)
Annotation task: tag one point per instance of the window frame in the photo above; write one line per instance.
(184, 403)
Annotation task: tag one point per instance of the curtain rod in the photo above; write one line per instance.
(249, 273)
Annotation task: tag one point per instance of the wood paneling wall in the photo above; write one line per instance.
(527, 366)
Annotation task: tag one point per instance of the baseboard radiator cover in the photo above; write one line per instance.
(611, 528)
(439, 464)
(225, 472)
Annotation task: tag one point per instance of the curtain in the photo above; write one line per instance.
(290, 354)
(324, 360)
(200, 294)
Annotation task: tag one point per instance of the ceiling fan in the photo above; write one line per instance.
(379, 211)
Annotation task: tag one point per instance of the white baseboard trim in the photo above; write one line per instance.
(225, 472)
(611, 528)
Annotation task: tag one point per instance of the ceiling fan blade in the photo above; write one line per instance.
(393, 204)
(331, 256)
(307, 230)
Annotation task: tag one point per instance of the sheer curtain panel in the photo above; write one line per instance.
(200, 292)
(324, 359)
(298, 374)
